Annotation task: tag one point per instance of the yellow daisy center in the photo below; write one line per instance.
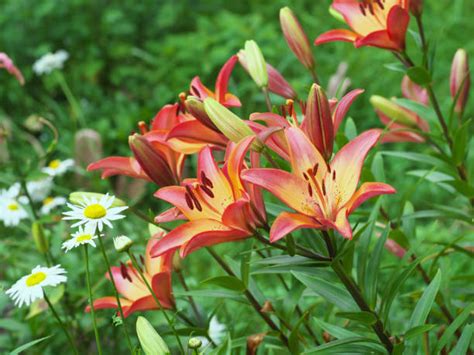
(13, 207)
(54, 164)
(95, 211)
(83, 238)
(47, 201)
(35, 279)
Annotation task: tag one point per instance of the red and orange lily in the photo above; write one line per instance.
(323, 195)
(154, 158)
(218, 205)
(376, 23)
(322, 118)
(134, 292)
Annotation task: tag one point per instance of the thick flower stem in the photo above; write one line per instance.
(251, 298)
(356, 294)
(117, 297)
(193, 304)
(91, 301)
(158, 303)
(63, 327)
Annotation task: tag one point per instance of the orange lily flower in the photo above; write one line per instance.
(154, 158)
(218, 205)
(376, 23)
(135, 294)
(323, 195)
(322, 118)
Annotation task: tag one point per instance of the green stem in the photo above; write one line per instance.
(63, 327)
(356, 294)
(193, 304)
(109, 270)
(267, 99)
(312, 70)
(76, 108)
(158, 303)
(91, 301)
(250, 297)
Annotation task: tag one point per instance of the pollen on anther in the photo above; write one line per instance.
(189, 201)
(315, 169)
(323, 185)
(305, 176)
(334, 175)
(207, 191)
(310, 190)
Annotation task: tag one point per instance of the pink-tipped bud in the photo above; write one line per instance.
(151, 161)
(318, 123)
(416, 7)
(394, 112)
(7, 63)
(414, 91)
(196, 108)
(460, 80)
(277, 84)
(296, 38)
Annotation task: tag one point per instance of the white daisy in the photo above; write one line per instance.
(50, 61)
(81, 237)
(12, 192)
(57, 167)
(39, 189)
(50, 203)
(94, 212)
(11, 211)
(30, 287)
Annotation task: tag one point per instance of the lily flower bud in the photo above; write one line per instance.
(88, 147)
(395, 112)
(229, 123)
(194, 343)
(416, 7)
(122, 243)
(276, 82)
(296, 38)
(150, 340)
(151, 161)
(79, 197)
(460, 80)
(256, 64)
(318, 122)
(195, 107)
(39, 237)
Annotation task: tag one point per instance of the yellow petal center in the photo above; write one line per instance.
(95, 211)
(54, 164)
(12, 207)
(35, 279)
(47, 201)
(84, 237)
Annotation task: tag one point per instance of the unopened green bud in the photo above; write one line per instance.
(229, 123)
(257, 67)
(393, 111)
(194, 343)
(150, 340)
(122, 243)
(39, 237)
(79, 197)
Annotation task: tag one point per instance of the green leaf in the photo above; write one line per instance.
(293, 339)
(356, 345)
(233, 295)
(419, 329)
(465, 341)
(425, 112)
(460, 143)
(28, 345)
(448, 334)
(227, 282)
(374, 266)
(425, 303)
(419, 158)
(396, 66)
(362, 317)
(419, 75)
(328, 290)
(334, 330)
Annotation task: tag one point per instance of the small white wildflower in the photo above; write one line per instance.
(50, 203)
(57, 167)
(50, 61)
(39, 189)
(11, 211)
(81, 237)
(30, 287)
(94, 212)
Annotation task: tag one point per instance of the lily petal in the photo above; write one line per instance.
(166, 118)
(161, 285)
(366, 191)
(235, 163)
(336, 35)
(173, 214)
(287, 222)
(397, 25)
(347, 165)
(380, 39)
(119, 166)
(289, 188)
(222, 82)
(238, 216)
(343, 106)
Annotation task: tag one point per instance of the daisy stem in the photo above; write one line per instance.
(109, 270)
(56, 315)
(137, 267)
(76, 108)
(91, 301)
